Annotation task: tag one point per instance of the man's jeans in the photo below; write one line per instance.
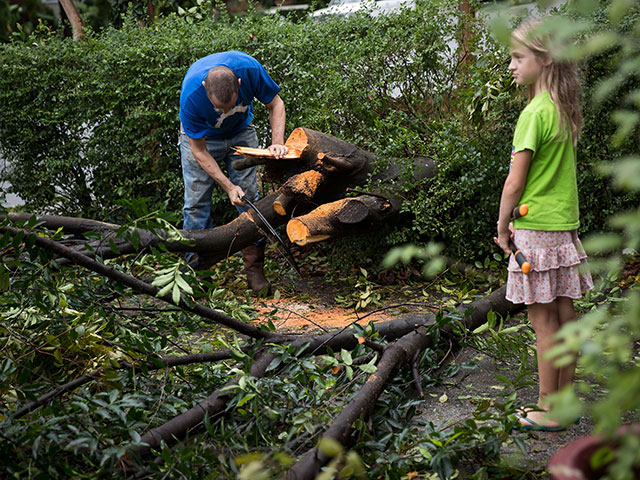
(198, 185)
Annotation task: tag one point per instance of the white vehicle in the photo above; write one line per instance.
(374, 7)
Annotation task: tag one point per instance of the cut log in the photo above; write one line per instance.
(328, 168)
(305, 185)
(332, 219)
(321, 152)
(283, 204)
(354, 214)
(265, 153)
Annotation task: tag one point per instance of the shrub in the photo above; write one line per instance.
(97, 121)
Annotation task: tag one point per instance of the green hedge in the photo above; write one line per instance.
(88, 125)
(97, 121)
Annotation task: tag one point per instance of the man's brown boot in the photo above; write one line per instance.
(254, 268)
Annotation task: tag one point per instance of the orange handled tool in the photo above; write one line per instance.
(520, 211)
(520, 258)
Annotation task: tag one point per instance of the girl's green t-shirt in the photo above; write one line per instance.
(551, 189)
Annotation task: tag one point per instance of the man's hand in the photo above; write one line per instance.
(278, 150)
(235, 194)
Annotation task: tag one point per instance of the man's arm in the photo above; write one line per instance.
(209, 165)
(277, 119)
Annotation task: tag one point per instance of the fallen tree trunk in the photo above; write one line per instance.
(328, 168)
(218, 243)
(395, 355)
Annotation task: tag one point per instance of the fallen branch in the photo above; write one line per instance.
(179, 426)
(216, 403)
(395, 354)
(155, 364)
(145, 288)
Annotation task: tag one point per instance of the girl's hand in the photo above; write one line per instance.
(502, 240)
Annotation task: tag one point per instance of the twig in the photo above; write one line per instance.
(416, 374)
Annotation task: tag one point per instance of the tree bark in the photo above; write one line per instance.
(71, 10)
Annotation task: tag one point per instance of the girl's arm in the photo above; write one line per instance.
(511, 193)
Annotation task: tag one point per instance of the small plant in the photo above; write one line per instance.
(364, 293)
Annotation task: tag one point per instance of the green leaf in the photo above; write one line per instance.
(163, 279)
(330, 447)
(5, 280)
(602, 243)
(245, 399)
(482, 328)
(346, 357)
(627, 122)
(184, 285)
(367, 368)
(165, 290)
(618, 9)
(58, 356)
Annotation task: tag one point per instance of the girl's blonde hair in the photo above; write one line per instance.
(560, 77)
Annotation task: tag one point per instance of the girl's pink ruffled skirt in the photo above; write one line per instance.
(558, 267)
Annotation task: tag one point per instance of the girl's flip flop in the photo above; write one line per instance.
(536, 427)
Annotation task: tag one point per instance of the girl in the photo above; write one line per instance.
(543, 176)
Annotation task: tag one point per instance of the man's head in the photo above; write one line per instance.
(221, 85)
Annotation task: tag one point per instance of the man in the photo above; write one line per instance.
(216, 111)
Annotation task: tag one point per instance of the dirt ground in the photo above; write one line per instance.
(462, 391)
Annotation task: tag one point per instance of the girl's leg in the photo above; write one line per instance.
(546, 323)
(547, 319)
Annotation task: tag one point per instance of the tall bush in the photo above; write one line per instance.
(97, 121)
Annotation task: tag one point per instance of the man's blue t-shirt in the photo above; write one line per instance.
(197, 115)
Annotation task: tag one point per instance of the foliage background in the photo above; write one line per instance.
(90, 125)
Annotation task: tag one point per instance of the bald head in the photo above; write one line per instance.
(221, 85)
